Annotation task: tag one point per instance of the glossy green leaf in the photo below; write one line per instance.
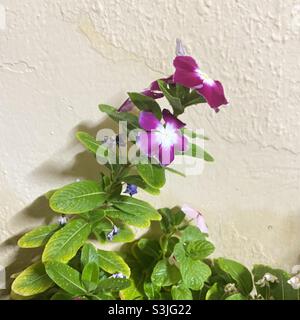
(132, 120)
(90, 143)
(145, 103)
(215, 292)
(175, 102)
(152, 291)
(181, 292)
(112, 263)
(65, 277)
(90, 276)
(88, 254)
(150, 247)
(236, 296)
(135, 206)
(153, 175)
(65, 243)
(192, 233)
(200, 249)
(112, 284)
(239, 273)
(164, 274)
(78, 197)
(62, 295)
(38, 237)
(32, 281)
(131, 218)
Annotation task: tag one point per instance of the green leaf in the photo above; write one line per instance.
(171, 218)
(236, 296)
(215, 292)
(280, 290)
(145, 103)
(181, 292)
(194, 272)
(38, 237)
(200, 249)
(88, 254)
(174, 101)
(164, 274)
(112, 284)
(152, 291)
(132, 120)
(90, 143)
(78, 197)
(133, 218)
(139, 182)
(32, 281)
(153, 175)
(194, 98)
(197, 152)
(65, 243)
(112, 263)
(90, 276)
(150, 247)
(135, 206)
(65, 277)
(62, 295)
(239, 273)
(131, 293)
(192, 233)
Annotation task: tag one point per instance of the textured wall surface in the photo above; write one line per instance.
(59, 59)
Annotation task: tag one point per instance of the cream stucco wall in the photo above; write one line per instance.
(59, 59)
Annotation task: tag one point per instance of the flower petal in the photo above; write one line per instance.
(170, 119)
(186, 63)
(189, 212)
(213, 92)
(166, 154)
(148, 121)
(149, 143)
(153, 94)
(182, 143)
(126, 106)
(155, 87)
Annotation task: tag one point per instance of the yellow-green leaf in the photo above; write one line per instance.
(112, 262)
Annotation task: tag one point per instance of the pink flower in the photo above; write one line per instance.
(189, 75)
(196, 217)
(161, 140)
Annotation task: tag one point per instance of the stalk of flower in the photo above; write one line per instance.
(161, 140)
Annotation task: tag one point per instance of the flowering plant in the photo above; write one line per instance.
(174, 263)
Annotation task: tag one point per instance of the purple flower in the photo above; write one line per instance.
(196, 217)
(189, 75)
(161, 140)
(131, 189)
(115, 231)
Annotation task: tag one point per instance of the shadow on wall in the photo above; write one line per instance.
(84, 166)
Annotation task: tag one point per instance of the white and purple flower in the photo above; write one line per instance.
(191, 76)
(161, 140)
(196, 217)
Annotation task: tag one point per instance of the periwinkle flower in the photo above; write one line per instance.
(115, 231)
(62, 220)
(196, 217)
(118, 275)
(295, 280)
(161, 140)
(191, 76)
(131, 189)
(266, 279)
